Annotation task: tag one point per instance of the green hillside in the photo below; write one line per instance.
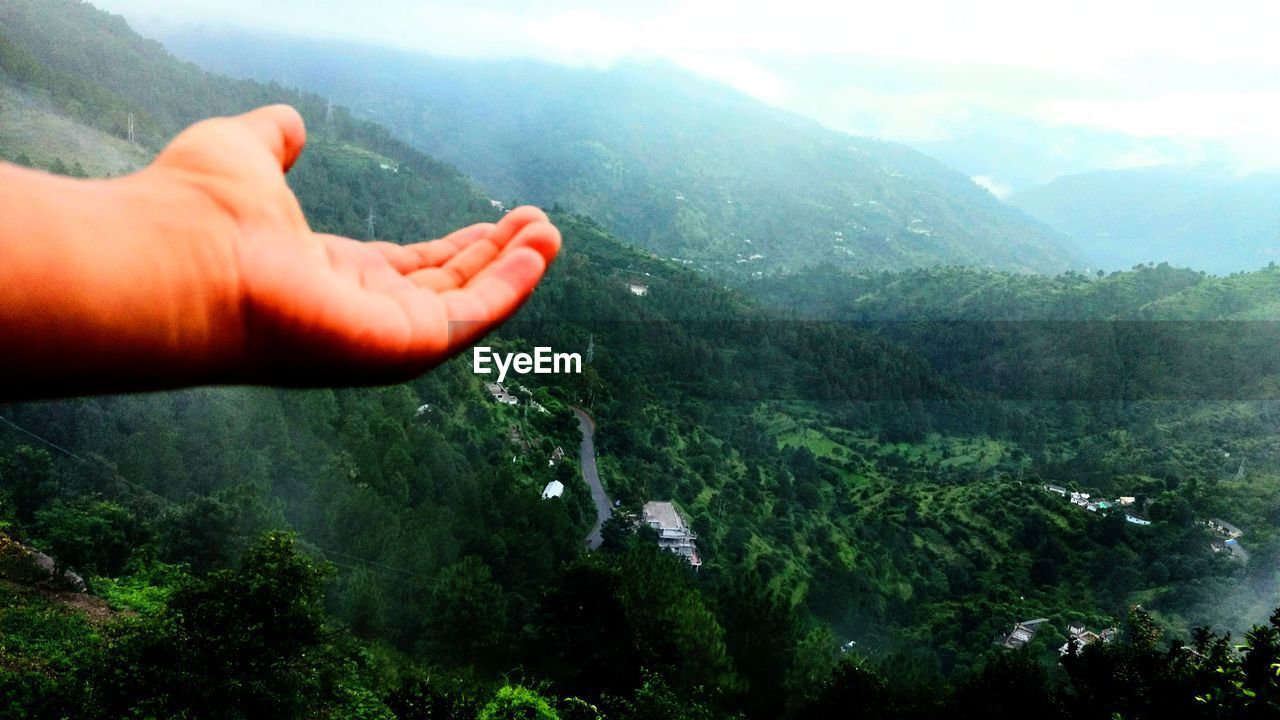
(870, 509)
(33, 132)
(667, 161)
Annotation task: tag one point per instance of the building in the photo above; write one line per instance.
(638, 289)
(1136, 520)
(1126, 500)
(1080, 636)
(1022, 633)
(556, 456)
(1056, 489)
(501, 394)
(674, 534)
(554, 489)
(1222, 527)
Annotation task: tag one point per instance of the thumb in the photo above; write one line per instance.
(280, 128)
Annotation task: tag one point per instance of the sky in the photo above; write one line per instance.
(1012, 92)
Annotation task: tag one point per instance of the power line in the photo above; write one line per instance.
(115, 474)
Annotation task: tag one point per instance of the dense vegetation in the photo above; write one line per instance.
(869, 503)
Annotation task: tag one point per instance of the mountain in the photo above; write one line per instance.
(682, 166)
(870, 507)
(1198, 217)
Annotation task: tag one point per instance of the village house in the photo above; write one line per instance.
(674, 534)
(554, 489)
(1080, 636)
(1058, 489)
(1022, 633)
(501, 394)
(556, 456)
(638, 289)
(1232, 547)
(1224, 528)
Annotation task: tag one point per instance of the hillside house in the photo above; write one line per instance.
(1080, 636)
(674, 534)
(638, 289)
(554, 489)
(1224, 528)
(1056, 489)
(1135, 520)
(501, 394)
(1022, 633)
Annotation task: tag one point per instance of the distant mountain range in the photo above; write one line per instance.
(684, 167)
(1202, 218)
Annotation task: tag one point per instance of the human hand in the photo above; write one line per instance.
(303, 308)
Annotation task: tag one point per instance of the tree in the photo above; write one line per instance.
(466, 616)
(513, 702)
(88, 536)
(236, 644)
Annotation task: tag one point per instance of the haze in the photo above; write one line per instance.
(1010, 93)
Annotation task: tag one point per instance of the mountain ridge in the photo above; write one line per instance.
(668, 161)
(1200, 217)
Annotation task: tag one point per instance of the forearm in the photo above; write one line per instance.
(110, 285)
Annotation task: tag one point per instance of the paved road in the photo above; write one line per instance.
(587, 458)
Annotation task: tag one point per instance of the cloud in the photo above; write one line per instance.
(1172, 75)
(993, 186)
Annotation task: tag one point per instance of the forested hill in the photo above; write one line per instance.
(1205, 218)
(871, 519)
(670, 162)
(1155, 332)
(1147, 292)
(92, 68)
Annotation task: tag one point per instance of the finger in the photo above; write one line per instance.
(458, 270)
(493, 296)
(541, 237)
(281, 130)
(408, 258)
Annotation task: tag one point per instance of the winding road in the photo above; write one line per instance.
(587, 459)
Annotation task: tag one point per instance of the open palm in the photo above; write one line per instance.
(320, 308)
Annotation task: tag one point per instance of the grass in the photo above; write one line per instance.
(28, 125)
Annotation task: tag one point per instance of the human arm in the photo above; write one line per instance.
(202, 269)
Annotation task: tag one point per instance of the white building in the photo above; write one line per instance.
(1079, 636)
(1022, 633)
(501, 394)
(674, 534)
(554, 489)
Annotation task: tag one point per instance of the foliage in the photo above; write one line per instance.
(517, 703)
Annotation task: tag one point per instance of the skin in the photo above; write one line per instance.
(201, 269)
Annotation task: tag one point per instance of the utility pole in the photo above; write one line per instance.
(132, 138)
(370, 220)
(591, 349)
(328, 112)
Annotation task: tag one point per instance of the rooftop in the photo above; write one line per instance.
(664, 515)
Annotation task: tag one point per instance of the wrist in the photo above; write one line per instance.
(126, 284)
(192, 272)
